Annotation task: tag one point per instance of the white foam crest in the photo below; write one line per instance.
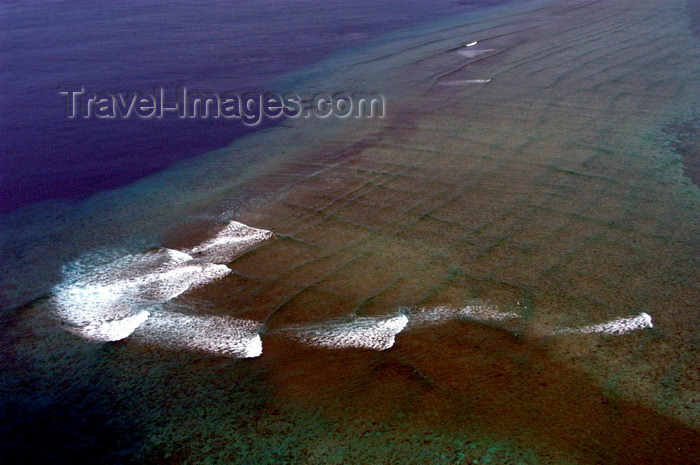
(114, 330)
(213, 334)
(464, 82)
(617, 327)
(233, 240)
(472, 52)
(104, 297)
(442, 314)
(102, 303)
(361, 333)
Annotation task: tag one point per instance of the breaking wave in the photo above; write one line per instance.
(213, 334)
(616, 327)
(108, 301)
(481, 312)
(360, 333)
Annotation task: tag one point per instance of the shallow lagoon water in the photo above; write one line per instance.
(525, 214)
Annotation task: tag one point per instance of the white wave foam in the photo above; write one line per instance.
(114, 330)
(473, 53)
(104, 298)
(103, 303)
(109, 301)
(361, 333)
(464, 82)
(233, 240)
(437, 315)
(213, 334)
(618, 327)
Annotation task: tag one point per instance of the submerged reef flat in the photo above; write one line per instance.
(501, 270)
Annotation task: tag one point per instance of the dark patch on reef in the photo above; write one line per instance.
(55, 412)
(79, 425)
(685, 140)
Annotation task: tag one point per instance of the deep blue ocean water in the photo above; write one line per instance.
(133, 46)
